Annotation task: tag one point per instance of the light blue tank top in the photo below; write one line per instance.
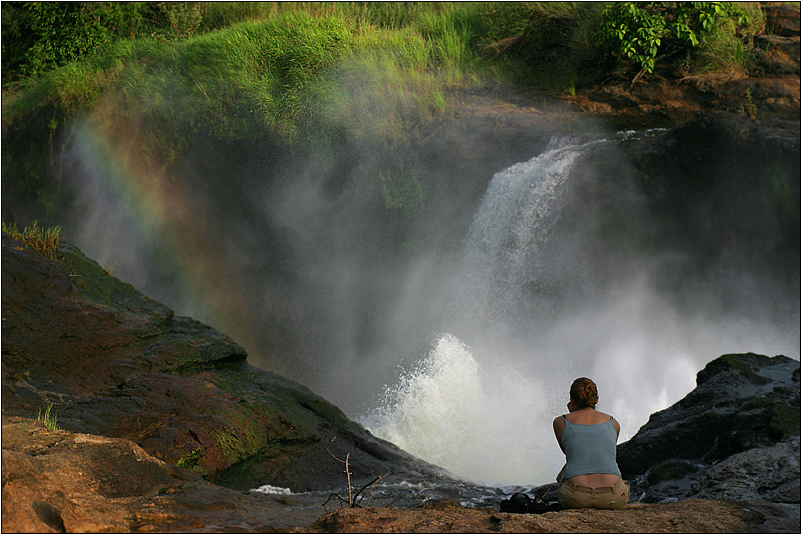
(589, 449)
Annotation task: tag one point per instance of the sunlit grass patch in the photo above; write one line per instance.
(723, 56)
(44, 241)
(48, 417)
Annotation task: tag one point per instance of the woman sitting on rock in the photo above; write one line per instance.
(590, 477)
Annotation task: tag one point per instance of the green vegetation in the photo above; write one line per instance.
(41, 36)
(637, 30)
(315, 76)
(48, 417)
(46, 242)
(192, 461)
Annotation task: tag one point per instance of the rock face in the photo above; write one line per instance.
(117, 364)
(781, 19)
(735, 434)
(730, 215)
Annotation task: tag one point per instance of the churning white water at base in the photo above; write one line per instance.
(479, 424)
(527, 316)
(488, 423)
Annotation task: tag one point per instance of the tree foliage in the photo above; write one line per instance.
(38, 37)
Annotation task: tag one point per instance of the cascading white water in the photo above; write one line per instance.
(485, 423)
(519, 210)
(445, 412)
(524, 321)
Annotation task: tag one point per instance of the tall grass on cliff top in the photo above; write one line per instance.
(254, 77)
(375, 73)
(44, 241)
(300, 72)
(237, 79)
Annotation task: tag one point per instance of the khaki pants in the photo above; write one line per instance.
(573, 496)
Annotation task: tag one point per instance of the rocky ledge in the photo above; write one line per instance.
(743, 444)
(692, 516)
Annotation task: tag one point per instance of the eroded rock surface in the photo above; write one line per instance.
(692, 516)
(57, 481)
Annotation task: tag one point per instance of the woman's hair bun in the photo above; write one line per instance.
(584, 393)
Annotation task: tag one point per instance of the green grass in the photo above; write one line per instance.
(44, 241)
(375, 72)
(47, 417)
(726, 53)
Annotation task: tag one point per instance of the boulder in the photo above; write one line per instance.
(744, 407)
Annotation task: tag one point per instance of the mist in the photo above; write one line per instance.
(459, 345)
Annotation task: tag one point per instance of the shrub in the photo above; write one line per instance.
(637, 31)
(41, 36)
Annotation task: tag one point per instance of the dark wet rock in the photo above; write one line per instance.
(117, 364)
(745, 407)
(770, 473)
(781, 19)
(726, 216)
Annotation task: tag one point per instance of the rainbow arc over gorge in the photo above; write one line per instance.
(166, 216)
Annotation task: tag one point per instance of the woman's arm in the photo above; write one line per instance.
(559, 426)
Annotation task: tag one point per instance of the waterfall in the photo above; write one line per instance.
(447, 411)
(540, 298)
(522, 205)
(486, 424)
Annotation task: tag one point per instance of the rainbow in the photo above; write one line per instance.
(160, 213)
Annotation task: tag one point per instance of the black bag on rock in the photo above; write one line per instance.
(521, 503)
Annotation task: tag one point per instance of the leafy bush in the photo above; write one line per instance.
(634, 32)
(41, 36)
(638, 30)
